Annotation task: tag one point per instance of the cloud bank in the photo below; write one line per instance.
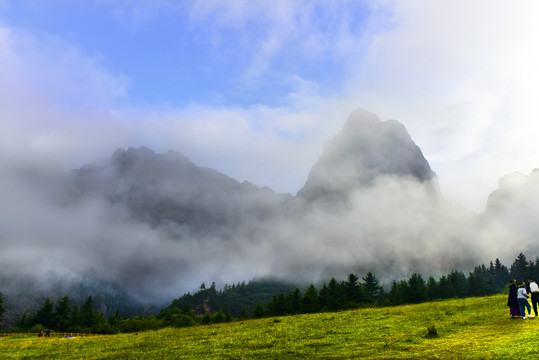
(461, 77)
(155, 225)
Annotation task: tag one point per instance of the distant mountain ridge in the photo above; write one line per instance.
(170, 188)
(171, 192)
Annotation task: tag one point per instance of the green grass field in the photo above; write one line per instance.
(473, 328)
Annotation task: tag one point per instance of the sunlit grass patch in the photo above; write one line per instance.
(473, 328)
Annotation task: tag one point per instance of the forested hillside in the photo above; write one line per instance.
(271, 297)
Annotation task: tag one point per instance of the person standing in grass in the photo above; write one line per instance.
(523, 303)
(512, 300)
(534, 292)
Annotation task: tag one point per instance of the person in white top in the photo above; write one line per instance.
(522, 297)
(534, 291)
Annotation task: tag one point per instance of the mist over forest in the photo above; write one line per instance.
(153, 226)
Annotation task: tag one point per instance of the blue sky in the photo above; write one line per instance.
(175, 53)
(254, 89)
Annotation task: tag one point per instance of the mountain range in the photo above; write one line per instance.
(162, 189)
(152, 226)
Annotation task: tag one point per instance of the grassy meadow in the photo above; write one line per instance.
(472, 328)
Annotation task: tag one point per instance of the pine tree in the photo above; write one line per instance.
(370, 284)
(393, 294)
(293, 302)
(417, 289)
(44, 315)
(481, 281)
(501, 275)
(519, 268)
(382, 296)
(309, 301)
(277, 306)
(62, 314)
(432, 288)
(398, 293)
(336, 295)
(75, 316)
(445, 288)
(458, 282)
(259, 311)
(533, 267)
(115, 319)
(474, 287)
(352, 288)
(323, 297)
(87, 313)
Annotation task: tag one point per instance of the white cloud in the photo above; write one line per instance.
(275, 147)
(54, 99)
(462, 77)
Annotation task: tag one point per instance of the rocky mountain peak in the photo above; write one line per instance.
(365, 149)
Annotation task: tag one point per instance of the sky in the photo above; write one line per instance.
(255, 89)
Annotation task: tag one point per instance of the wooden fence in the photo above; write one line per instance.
(51, 335)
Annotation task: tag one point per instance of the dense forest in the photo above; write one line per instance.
(276, 298)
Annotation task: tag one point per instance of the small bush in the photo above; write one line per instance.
(181, 320)
(431, 331)
(139, 323)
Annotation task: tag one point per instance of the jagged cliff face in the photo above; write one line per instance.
(363, 151)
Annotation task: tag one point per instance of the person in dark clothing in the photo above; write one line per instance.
(534, 291)
(512, 301)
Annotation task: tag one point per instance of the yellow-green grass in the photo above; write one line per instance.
(473, 328)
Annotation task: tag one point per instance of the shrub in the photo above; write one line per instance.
(139, 323)
(181, 320)
(431, 331)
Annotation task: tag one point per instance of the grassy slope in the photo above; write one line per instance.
(475, 328)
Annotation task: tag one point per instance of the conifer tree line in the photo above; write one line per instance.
(65, 317)
(352, 293)
(274, 298)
